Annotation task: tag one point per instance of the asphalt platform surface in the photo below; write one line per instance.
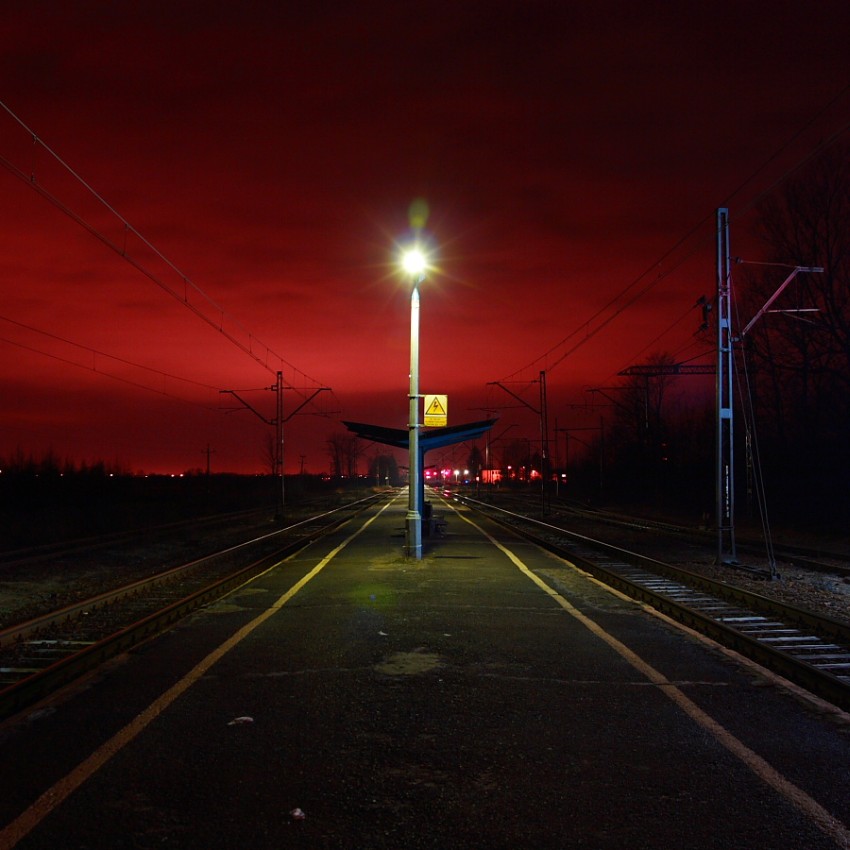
(352, 698)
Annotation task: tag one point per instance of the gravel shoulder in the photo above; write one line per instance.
(826, 594)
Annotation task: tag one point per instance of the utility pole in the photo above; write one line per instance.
(277, 421)
(208, 451)
(543, 414)
(544, 439)
(725, 467)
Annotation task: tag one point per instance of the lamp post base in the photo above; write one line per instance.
(413, 535)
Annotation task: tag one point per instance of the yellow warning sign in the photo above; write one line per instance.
(436, 411)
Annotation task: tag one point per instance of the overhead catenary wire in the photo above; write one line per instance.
(93, 367)
(591, 329)
(587, 325)
(675, 323)
(212, 313)
(817, 149)
(754, 202)
(110, 375)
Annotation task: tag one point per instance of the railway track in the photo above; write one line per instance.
(46, 653)
(820, 560)
(58, 549)
(807, 648)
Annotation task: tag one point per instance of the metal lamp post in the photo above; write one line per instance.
(415, 265)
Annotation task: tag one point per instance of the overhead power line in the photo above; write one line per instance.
(208, 310)
(124, 380)
(590, 328)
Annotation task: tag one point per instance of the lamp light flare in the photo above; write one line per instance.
(418, 214)
(413, 261)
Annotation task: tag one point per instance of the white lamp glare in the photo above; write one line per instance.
(414, 262)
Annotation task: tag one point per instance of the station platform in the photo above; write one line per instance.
(490, 695)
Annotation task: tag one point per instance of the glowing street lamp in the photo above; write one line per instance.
(415, 264)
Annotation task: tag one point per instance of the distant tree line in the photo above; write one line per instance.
(383, 470)
(49, 463)
(792, 376)
(655, 443)
(43, 499)
(344, 454)
(799, 356)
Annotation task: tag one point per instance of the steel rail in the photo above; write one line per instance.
(14, 557)
(46, 681)
(798, 556)
(18, 632)
(818, 681)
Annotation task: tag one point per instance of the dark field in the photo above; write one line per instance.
(41, 510)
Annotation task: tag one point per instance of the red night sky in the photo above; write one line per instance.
(257, 161)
